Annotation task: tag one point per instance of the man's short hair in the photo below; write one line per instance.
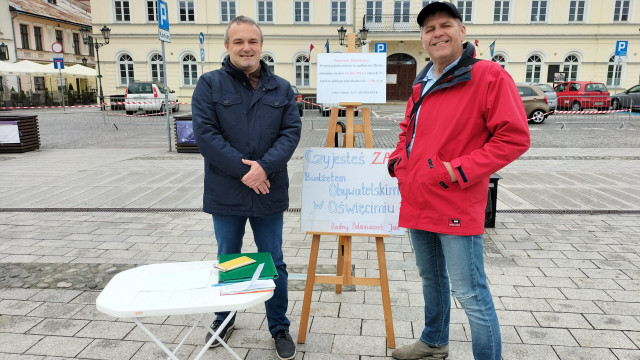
(242, 20)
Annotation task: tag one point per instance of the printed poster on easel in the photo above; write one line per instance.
(348, 190)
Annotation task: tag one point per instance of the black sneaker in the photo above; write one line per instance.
(224, 334)
(285, 347)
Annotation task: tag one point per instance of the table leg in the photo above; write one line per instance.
(155, 339)
(215, 336)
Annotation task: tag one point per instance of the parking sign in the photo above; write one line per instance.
(621, 48)
(380, 47)
(163, 21)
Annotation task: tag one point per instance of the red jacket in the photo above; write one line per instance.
(475, 120)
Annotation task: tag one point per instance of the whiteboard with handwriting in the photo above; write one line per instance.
(349, 191)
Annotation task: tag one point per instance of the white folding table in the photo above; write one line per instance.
(184, 288)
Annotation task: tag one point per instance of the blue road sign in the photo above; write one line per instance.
(201, 55)
(380, 47)
(621, 48)
(58, 63)
(163, 21)
(201, 38)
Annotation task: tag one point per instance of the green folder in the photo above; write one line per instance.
(246, 272)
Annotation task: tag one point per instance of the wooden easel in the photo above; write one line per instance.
(343, 277)
(343, 268)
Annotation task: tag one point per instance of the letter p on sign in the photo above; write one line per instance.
(621, 48)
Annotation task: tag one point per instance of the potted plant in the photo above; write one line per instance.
(48, 100)
(23, 97)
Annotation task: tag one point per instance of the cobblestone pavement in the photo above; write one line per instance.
(563, 260)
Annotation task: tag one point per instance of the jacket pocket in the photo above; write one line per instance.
(226, 99)
(272, 110)
(427, 180)
(229, 111)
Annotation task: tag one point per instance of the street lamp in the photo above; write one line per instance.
(84, 60)
(106, 33)
(361, 38)
(4, 52)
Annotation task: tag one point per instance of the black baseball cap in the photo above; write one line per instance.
(438, 6)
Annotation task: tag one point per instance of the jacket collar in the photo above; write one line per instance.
(267, 79)
(468, 51)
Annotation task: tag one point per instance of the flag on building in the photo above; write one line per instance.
(326, 46)
(475, 42)
(492, 47)
(309, 52)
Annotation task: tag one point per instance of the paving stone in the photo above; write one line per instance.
(575, 306)
(527, 304)
(17, 343)
(561, 320)
(6, 356)
(166, 333)
(110, 349)
(67, 347)
(623, 354)
(337, 326)
(51, 295)
(56, 310)
(545, 336)
(60, 327)
(516, 318)
(540, 292)
(17, 294)
(18, 324)
(624, 295)
(318, 356)
(151, 351)
(614, 308)
(106, 330)
(586, 294)
(602, 338)
(17, 307)
(359, 345)
(573, 353)
(527, 351)
(613, 322)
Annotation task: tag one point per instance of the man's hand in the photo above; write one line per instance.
(256, 178)
(449, 168)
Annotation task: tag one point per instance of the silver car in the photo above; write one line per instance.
(629, 99)
(552, 97)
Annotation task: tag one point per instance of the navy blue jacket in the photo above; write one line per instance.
(231, 122)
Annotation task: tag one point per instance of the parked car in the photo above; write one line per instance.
(535, 103)
(578, 95)
(299, 101)
(629, 99)
(149, 97)
(552, 97)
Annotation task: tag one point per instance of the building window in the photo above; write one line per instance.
(570, 66)
(539, 11)
(76, 43)
(534, 68)
(123, 13)
(125, 64)
(338, 11)
(270, 63)
(427, 2)
(465, 8)
(614, 72)
(576, 11)
(157, 72)
(302, 71)
(374, 12)
(37, 32)
(401, 11)
(24, 36)
(265, 11)
(227, 10)
(60, 38)
(38, 83)
(187, 11)
(621, 10)
(152, 11)
(91, 51)
(301, 11)
(500, 60)
(501, 11)
(189, 70)
(54, 2)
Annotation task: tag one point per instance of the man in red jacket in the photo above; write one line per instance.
(465, 120)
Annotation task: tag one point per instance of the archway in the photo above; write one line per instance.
(401, 71)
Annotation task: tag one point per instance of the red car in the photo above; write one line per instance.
(578, 95)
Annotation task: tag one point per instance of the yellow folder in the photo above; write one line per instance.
(234, 263)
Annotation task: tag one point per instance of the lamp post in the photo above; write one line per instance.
(353, 41)
(84, 61)
(106, 33)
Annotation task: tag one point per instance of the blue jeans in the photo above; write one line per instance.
(267, 232)
(441, 258)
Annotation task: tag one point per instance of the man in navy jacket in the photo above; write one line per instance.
(247, 127)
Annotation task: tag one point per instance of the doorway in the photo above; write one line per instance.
(401, 72)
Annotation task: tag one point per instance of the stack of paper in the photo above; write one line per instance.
(246, 287)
